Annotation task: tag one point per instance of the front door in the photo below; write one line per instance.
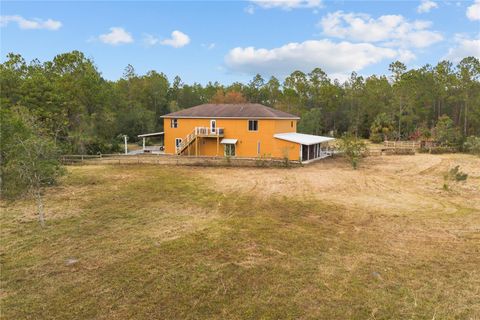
(213, 126)
(229, 150)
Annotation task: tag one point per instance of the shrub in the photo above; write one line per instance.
(353, 149)
(472, 145)
(455, 175)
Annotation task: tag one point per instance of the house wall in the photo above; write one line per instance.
(248, 141)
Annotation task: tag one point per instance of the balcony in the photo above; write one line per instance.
(208, 132)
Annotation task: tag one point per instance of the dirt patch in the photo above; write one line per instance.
(388, 183)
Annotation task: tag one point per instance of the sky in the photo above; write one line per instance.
(228, 41)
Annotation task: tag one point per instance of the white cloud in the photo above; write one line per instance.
(335, 58)
(426, 6)
(150, 40)
(286, 4)
(178, 40)
(250, 9)
(36, 23)
(392, 30)
(473, 12)
(116, 36)
(464, 47)
(209, 46)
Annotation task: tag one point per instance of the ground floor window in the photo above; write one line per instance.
(178, 142)
(229, 150)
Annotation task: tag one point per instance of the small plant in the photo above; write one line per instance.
(454, 175)
(353, 149)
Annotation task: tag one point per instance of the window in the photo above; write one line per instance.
(178, 142)
(252, 125)
(173, 123)
(213, 126)
(291, 124)
(229, 150)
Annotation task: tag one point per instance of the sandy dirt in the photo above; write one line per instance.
(393, 184)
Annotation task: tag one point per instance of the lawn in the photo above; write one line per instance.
(316, 242)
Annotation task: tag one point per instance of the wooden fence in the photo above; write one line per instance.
(394, 147)
(162, 159)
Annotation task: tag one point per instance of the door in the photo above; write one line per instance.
(304, 152)
(213, 126)
(229, 150)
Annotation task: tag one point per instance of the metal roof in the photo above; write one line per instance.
(236, 111)
(229, 141)
(154, 134)
(301, 138)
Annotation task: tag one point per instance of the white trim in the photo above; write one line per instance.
(150, 134)
(213, 129)
(301, 138)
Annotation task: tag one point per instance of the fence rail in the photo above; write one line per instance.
(163, 159)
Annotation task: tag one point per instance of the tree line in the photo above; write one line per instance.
(84, 113)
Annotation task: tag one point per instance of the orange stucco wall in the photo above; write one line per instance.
(248, 141)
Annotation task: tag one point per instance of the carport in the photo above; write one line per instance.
(150, 135)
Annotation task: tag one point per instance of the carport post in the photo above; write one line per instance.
(143, 144)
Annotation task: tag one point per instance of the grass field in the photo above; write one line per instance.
(317, 242)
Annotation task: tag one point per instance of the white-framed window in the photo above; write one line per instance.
(173, 123)
(178, 142)
(229, 150)
(213, 126)
(252, 125)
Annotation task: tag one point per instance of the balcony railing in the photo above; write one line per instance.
(206, 131)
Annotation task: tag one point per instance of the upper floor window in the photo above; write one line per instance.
(252, 125)
(173, 123)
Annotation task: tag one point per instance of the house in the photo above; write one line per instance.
(246, 130)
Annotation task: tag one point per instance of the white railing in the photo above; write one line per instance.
(206, 131)
(198, 131)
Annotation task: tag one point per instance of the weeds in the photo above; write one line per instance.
(454, 175)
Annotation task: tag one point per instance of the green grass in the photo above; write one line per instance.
(161, 243)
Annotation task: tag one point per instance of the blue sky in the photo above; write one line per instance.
(229, 41)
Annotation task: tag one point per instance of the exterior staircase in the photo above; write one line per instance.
(191, 137)
(197, 133)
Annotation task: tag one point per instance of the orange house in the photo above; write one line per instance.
(240, 130)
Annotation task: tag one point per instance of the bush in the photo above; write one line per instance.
(455, 175)
(353, 149)
(472, 145)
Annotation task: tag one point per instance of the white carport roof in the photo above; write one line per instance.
(301, 138)
(229, 141)
(154, 134)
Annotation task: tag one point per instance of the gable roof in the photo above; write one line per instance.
(238, 111)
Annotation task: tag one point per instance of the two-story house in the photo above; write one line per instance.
(239, 130)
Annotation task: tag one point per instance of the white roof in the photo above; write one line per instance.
(307, 139)
(229, 141)
(150, 134)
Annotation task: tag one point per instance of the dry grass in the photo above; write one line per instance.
(318, 242)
